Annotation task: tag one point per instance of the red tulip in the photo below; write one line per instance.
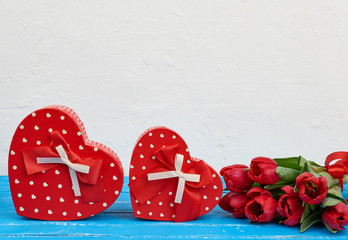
(256, 191)
(234, 203)
(290, 206)
(263, 171)
(236, 178)
(262, 207)
(336, 217)
(311, 189)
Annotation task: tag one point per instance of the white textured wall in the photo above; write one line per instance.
(237, 79)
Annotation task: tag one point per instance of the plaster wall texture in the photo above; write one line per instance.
(236, 79)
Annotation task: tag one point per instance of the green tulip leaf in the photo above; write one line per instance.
(333, 196)
(330, 180)
(317, 169)
(315, 164)
(307, 168)
(345, 179)
(305, 213)
(314, 208)
(335, 192)
(255, 184)
(276, 193)
(329, 202)
(296, 189)
(311, 220)
(281, 183)
(330, 229)
(302, 161)
(287, 174)
(292, 162)
(305, 226)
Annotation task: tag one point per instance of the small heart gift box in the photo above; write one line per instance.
(166, 183)
(56, 172)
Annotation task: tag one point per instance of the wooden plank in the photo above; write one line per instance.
(118, 222)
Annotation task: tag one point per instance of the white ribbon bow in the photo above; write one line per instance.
(73, 167)
(179, 160)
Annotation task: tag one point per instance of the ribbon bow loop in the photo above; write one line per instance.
(84, 172)
(339, 168)
(166, 155)
(183, 177)
(90, 177)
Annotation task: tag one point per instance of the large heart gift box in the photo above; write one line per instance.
(166, 183)
(56, 172)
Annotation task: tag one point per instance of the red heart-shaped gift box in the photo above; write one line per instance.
(166, 183)
(56, 172)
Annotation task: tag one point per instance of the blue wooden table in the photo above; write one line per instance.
(118, 222)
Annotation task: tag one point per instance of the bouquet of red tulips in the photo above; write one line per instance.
(287, 190)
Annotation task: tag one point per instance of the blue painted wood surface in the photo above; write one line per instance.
(118, 222)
